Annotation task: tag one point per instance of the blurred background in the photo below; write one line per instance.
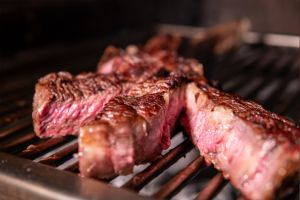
(33, 23)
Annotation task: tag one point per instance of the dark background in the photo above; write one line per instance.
(26, 24)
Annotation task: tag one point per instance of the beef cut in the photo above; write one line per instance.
(256, 149)
(140, 64)
(132, 128)
(63, 102)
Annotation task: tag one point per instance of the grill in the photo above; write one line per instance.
(259, 70)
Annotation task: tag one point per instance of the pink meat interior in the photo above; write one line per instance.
(150, 135)
(160, 127)
(62, 118)
(235, 147)
(172, 113)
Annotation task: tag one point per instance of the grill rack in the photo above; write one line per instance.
(264, 73)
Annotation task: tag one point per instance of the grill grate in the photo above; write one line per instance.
(266, 74)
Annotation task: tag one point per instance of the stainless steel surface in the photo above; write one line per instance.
(23, 179)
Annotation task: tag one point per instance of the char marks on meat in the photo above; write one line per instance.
(139, 65)
(63, 102)
(131, 129)
(256, 149)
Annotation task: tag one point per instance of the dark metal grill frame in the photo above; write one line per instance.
(264, 73)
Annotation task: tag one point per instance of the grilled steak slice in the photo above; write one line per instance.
(256, 149)
(155, 49)
(62, 102)
(131, 129)
(139, 65)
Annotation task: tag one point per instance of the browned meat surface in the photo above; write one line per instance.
(62, 102)
(256, 149)
(139, 65)
(131, 129)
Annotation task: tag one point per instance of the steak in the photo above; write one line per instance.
(140, 64)
(256, 149)
(63, 102)
(155, 50)
(132, 128)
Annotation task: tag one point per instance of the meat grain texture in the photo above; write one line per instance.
(63, 102)
(256, 149)
(132, 129)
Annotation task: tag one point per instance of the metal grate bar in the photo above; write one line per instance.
(35, 149)
(14, 116)
(142, 178)
(60, 154)
(269, 102)
(278, 69)
(232, 69)
(13, 106)
(175, 184)
(247, 76)
(24, 138)
(15, 126)
(70, 165)
(11, 91)
(212, 188)
(287, 104)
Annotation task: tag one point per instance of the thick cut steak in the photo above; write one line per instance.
(132, 128)
(62, 102)
(256, 149)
